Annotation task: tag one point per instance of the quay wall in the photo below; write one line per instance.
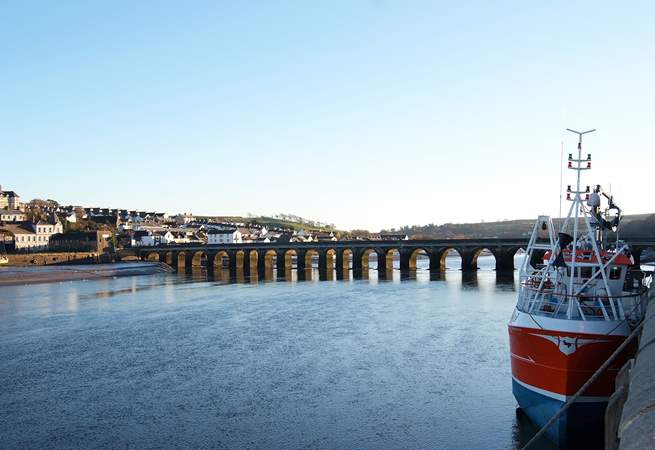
(42, 259)
(634, 422)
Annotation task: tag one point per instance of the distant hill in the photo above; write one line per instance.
(274, 222)
(638, 225)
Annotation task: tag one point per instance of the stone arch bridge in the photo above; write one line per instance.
(257, 258)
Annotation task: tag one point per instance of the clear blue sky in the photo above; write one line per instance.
(367, 114)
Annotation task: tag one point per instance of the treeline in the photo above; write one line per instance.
(642, 225)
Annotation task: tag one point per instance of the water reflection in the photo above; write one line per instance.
(312, 273)
(195, 360)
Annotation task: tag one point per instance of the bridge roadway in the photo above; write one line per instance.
(260, 257)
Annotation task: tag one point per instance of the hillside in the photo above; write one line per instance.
(274, 222)
(639, 225)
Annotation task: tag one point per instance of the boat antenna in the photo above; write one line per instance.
(580, 134)
(561, 180)
(576, 207)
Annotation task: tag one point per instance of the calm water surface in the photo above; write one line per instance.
(167, 361)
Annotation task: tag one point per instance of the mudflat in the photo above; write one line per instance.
(49, 274)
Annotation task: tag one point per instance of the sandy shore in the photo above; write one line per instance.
(50, 274)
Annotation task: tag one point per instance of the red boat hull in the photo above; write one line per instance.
(550, 366)
(561, 362)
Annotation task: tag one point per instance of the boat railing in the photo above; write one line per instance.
(545, 300)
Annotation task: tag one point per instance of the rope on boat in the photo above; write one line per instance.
(584, 387)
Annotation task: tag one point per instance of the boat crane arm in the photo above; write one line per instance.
(594, 203)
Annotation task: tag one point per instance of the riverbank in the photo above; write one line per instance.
(50, 274)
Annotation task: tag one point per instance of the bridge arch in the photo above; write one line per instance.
(451, 258)
(346, 259)
(307, 262)
(369, 255)
(288, 257)
(251, 262)
(199, 259)
(343, 263)
(152, 256)
(485, 253)
(392, 255)
(326, 263)
(169, 258)
(270, 259)
(415, 255)
(221, 260)
(181, 260)
(330, 260)
(239, 257)
(287, 260)
(311, 256)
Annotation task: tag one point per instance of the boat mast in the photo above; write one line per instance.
(577, 201)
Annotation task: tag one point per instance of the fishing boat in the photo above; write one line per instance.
(579, 298)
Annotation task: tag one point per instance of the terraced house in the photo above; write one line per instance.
(31, 235)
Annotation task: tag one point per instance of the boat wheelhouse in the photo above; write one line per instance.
(579, 298)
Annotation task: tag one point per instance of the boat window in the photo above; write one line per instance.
(585, 272)
(615, 273)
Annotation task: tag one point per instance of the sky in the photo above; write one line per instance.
(366, 114)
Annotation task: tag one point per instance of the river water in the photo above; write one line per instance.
(172, 361)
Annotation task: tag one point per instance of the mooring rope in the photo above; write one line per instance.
(584, 387)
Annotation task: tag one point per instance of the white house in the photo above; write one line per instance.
(216, 236)
(185, 237)
(149, 238)
(12, 215)
(34, 236)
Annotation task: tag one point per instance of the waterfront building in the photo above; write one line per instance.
(231, 236)
(31, 235)
(152, 235)
(81, 241)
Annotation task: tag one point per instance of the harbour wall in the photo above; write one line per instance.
(41, 259)
(630, 417)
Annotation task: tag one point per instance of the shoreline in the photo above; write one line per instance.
(14, 276)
